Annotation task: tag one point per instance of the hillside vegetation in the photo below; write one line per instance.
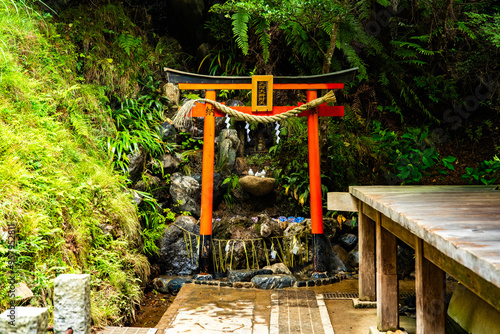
(72, 210)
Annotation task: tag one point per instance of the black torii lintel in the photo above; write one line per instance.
(175, 76)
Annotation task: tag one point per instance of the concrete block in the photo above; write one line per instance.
(72, 304)
(24, 320)
(23, 293)
(356, 303)
(473, 314)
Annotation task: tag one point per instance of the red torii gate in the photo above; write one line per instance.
(262, 89)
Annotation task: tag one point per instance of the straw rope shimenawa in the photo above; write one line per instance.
(181, 118)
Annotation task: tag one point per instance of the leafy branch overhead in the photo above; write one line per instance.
(314, 29)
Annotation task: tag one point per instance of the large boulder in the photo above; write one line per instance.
(348, 241)
(168, 132)
(183, 190)
(219, 188)
(352, 261)
(406, 260)
(170, 162)
(269, 227)
(160, 284)
(172, 92)
(155, 185)
(175, 257)
(341, 252)
(243, 246)
(257, 186)
(229, 144)
(136, 164)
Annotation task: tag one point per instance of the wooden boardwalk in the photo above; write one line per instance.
(453, 229)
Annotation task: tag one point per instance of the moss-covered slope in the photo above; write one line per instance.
(71, 211)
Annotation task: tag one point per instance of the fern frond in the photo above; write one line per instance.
(405, 53)
(261, 29)
(415, 62)
(414, 46)
(423, 38)
(240, 29)
(354, 60)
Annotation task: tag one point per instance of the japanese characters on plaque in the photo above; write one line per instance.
(262, 93)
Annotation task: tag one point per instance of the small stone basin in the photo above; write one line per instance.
(257, 186)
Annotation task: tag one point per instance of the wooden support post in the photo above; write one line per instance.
(315, 186)
(387, 278)
(430, 289)
(207, 186)
(367, 269)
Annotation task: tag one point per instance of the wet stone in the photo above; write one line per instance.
(319, 275)
(279, 268)
(203, 277)
(245, 275)
(348, 241)
(160, 284)
(175, 285)
(273, 281)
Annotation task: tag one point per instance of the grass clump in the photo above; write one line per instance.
(72, 212)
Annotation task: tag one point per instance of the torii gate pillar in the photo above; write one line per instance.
(315, 188)
(207, 188)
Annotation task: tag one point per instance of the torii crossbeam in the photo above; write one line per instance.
(262, 89)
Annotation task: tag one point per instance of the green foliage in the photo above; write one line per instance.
(312, 28)
(484, 25)
(225, 56)
(137, 126)
(408, 156)
(72, 213)
(232, 182)
(487, 172)
(187, 142)
(112, 50)
(154, 222)
(240, 29)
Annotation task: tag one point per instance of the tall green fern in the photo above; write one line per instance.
(261, 29)
(240, 29)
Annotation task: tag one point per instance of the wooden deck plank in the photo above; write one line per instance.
(461, 222)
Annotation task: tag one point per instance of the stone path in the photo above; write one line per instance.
(225, 310)
(299, 312)
(322, 309)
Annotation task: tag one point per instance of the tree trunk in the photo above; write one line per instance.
(327, 60)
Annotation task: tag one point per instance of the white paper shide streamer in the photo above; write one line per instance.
(228, 123)
(277, 128)
(247, 126)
